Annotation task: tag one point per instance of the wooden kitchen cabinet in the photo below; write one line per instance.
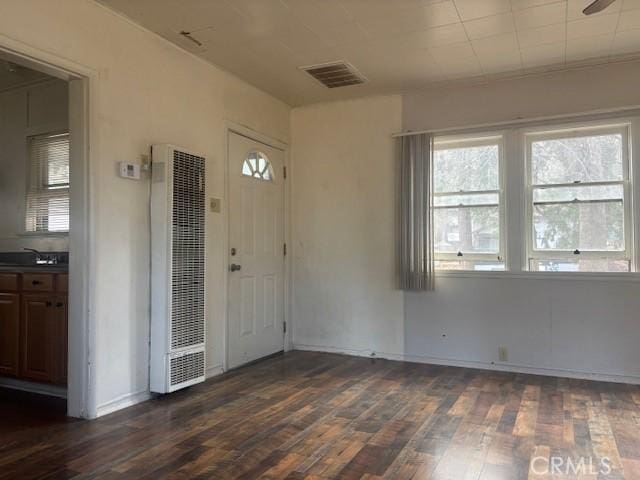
(37, 282)
(33, 328)
(9, 333)
(43, 338)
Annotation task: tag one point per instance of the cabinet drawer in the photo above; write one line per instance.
(62, 284)
(8, 281)
(37, 282)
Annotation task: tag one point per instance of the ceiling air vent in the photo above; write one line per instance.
(335, 74)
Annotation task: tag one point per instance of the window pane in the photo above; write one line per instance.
(466, 169)
(57, 154)
(583, 265)
(455, 200)
(479, 266)
(256, 165)
(57, 214)
(47, 200)
(583, 226)
(592, 158)
(584, 193)
(467, 230)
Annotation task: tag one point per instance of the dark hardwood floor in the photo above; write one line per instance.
(320, 416)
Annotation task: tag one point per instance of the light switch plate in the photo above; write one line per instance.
(214, 205)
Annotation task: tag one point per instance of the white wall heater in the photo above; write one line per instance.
(177, 269)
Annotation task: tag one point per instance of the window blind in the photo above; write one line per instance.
(47, 208)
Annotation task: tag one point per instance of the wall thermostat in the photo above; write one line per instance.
(130, 170)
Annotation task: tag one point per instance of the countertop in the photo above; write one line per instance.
(15, 268)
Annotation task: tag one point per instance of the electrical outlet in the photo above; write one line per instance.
(502, 354)
(214, 204)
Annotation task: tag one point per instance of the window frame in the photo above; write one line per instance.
(556, 131)
(42, 186)
(475, 140)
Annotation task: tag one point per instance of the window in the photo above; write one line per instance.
(571, 199)
(257, 165)
(578, 199)
(47, 202)
(468, 207)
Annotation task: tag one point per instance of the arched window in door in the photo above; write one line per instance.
(257, 165)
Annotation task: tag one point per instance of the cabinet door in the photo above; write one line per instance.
(39, 336)
(59, 354)
(9, 333)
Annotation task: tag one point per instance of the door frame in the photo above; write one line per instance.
(81, 327)
(234, 128)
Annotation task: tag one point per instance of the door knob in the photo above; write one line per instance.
(234, 267)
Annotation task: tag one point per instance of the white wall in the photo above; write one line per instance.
(563, 325)
(344, 294)
(148, 91)
(559, 93)
(26, 111)
(343, 226)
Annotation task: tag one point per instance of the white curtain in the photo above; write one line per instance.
(415, 236)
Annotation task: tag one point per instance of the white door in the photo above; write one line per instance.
(256, 256)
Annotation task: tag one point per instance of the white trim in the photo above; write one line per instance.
(634, 178)
(516, 198)
(83, 113)
(632, 110)
(33, 387)
(42, 234)
(122, 401)
(252, 134)
(500, 367)
(498, 138)
(530, 275)
(214, 371)
(574, 130)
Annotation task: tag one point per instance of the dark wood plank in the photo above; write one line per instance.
(317, 416)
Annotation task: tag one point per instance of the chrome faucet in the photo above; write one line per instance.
(39, 256)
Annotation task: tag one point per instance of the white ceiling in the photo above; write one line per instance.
(396, 44)
(12, 75)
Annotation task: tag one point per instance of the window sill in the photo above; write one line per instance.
(566, 276)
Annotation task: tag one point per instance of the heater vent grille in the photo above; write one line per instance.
(335, 74)
(187, 367)
(187, 259)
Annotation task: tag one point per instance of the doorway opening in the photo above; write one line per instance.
(44, 264)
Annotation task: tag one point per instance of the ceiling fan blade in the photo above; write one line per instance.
(597, 6)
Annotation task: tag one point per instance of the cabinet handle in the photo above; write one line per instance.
(36, 282)
(48, 304)
(59, 304)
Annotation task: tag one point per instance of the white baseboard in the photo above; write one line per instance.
(131, 399)
(33, 387)
(123, 401)
(214, 371)
(500, 367)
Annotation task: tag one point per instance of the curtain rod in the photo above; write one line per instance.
(522, 121)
